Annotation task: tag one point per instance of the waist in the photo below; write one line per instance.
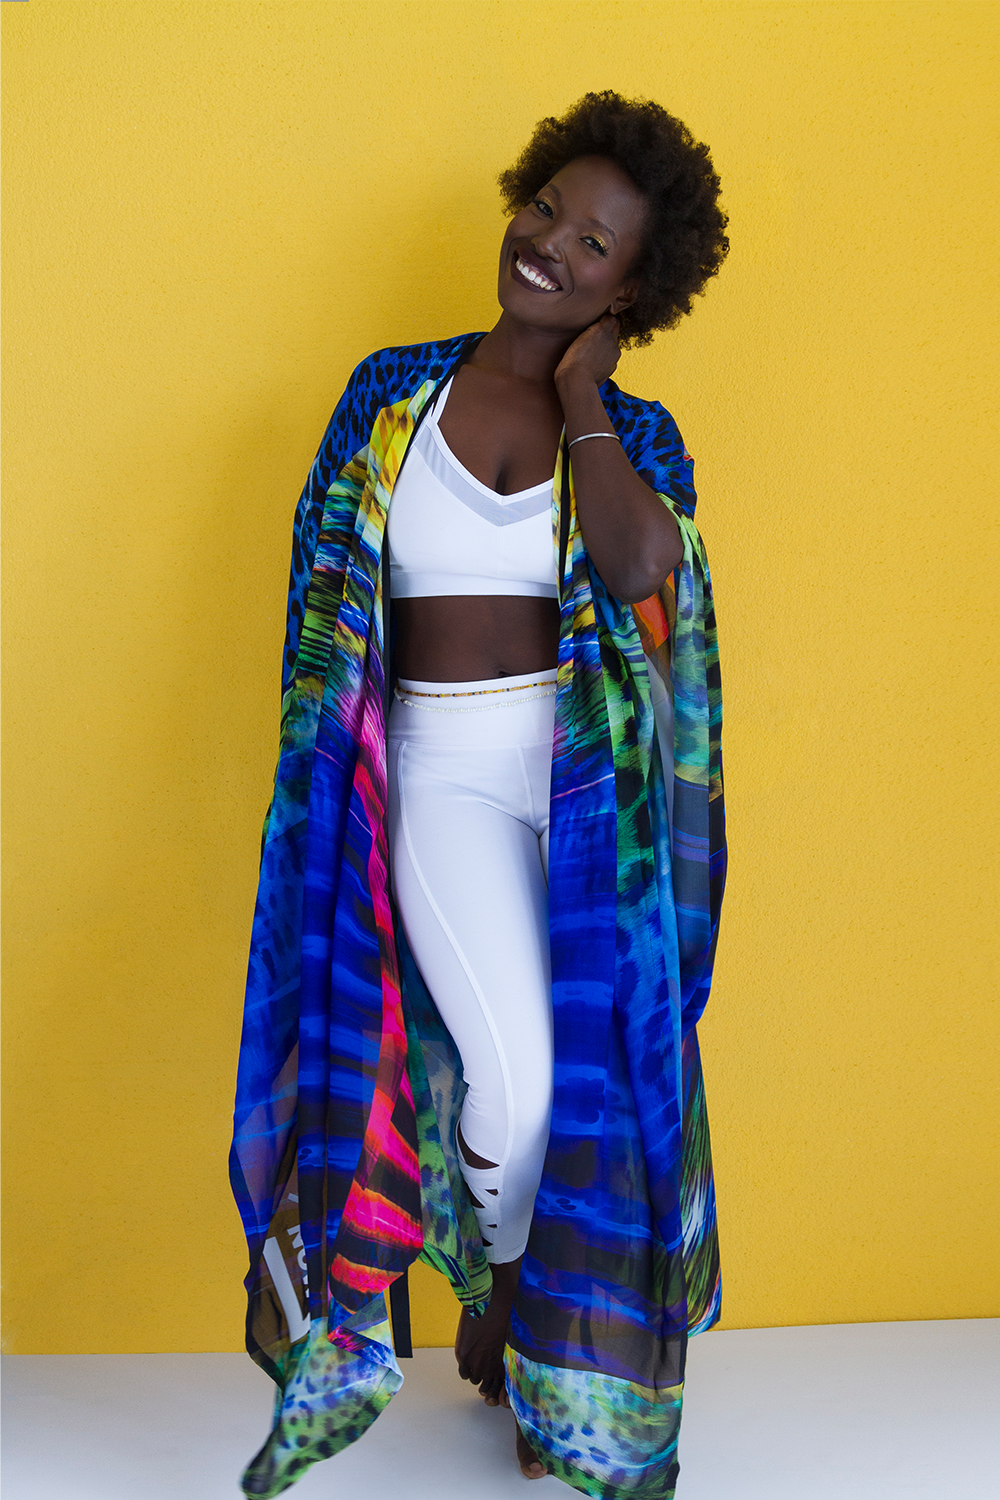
(451, 637)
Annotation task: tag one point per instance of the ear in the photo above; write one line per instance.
(625, 298)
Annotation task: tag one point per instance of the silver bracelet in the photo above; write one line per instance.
(584, 436)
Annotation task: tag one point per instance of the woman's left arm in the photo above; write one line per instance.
(633, 540)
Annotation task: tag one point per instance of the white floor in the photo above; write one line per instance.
(871, 1411)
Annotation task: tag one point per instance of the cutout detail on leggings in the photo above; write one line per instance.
(465, 1151)
(480, 1163)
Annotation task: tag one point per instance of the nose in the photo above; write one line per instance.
(546, 243)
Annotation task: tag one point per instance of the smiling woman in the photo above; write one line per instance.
(493, 867)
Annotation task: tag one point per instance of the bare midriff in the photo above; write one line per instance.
(472, 637)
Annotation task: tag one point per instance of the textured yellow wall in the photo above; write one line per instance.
(213, 211)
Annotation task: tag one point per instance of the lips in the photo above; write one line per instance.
(529, 271)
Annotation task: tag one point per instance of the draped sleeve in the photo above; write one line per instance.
(346, 434)
(677, 630)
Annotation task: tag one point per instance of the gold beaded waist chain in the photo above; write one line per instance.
(405, 694)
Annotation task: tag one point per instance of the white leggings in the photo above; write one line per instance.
(469, 780)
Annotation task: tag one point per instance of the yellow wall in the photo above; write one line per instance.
(213, 211)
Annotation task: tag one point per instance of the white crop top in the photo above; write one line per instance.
(449, 534)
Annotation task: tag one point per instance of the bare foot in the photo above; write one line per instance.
(531, 1465)
(479, 1342)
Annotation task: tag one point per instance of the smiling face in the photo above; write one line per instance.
(568, 256)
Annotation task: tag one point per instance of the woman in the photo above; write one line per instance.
(486, 918)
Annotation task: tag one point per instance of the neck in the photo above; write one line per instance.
(520, 352)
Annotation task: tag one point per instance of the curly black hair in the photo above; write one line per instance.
(685, 228)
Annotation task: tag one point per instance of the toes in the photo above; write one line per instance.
(531, 1464)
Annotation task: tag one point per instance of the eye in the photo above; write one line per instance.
(598, 245)
(543, 207)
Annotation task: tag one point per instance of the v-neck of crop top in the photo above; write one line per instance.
(434, 421)
(448, 533)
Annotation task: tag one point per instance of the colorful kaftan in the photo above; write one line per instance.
(344, 1161)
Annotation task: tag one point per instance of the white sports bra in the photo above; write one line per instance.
(449, 534)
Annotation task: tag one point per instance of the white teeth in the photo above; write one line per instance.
(536, 277)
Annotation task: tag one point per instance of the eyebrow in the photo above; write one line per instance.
(599, 222)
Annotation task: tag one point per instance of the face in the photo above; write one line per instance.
(568, 256)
